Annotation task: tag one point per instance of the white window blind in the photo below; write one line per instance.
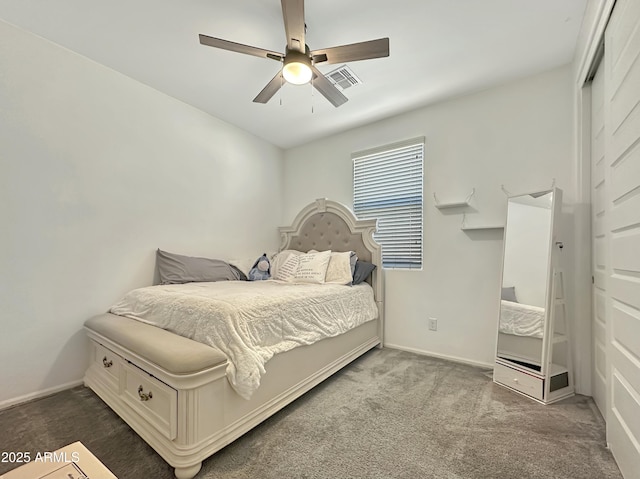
(387, 185)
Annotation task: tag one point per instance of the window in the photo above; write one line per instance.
(387, 185)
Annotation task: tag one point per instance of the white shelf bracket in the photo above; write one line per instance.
(473, 192)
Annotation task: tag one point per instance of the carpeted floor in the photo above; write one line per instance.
(390, 414)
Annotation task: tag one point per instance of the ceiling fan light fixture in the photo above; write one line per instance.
(298, 63)
(297, 68)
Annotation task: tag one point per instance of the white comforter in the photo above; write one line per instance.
(250, 321)
(521, 319)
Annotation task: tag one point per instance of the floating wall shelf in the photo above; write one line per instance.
(481, 227)
(443, 206)
(466, 227)
(453, 204)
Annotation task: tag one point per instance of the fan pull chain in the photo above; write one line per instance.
(312, 95)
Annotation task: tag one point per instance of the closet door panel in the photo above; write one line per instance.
(622, 209)
(625, 405)
(625, 252)
(625, 173)
(626, 331)
(625, 291)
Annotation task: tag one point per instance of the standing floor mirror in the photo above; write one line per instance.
(533, 354)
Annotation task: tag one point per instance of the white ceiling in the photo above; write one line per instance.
(438, 49)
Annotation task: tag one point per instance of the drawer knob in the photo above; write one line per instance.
(515, 380)
(107, 364)
(144, 396)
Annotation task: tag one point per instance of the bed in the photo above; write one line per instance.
(175, 392)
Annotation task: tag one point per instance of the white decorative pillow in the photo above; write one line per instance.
(339, 268)
(312, 267)
(280, 259)
(287, 270)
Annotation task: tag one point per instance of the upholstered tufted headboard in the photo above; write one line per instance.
(323, 231)
(329, 225)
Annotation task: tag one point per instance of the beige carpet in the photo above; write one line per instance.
(389, 414)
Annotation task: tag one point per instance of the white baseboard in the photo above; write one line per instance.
(440, 356)
(48, 392)
(39, 394)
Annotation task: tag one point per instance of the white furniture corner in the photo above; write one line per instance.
(69, 462)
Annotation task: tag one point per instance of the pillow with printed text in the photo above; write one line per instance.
(304, 268)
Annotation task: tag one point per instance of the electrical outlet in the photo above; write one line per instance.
(433, 324)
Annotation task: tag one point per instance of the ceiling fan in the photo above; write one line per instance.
(299, 63)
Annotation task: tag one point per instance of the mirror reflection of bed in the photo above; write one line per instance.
(521, 331)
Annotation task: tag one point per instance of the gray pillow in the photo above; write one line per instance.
(362, 271)
(239, 272)
(353, 259)
(509, 294)
(176, 269)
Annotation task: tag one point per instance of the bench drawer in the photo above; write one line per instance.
(107, 365)
(156, 402)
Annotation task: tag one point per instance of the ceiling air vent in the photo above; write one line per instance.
(343, 77)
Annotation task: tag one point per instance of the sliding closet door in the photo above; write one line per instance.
(622, 180)
(600, 244)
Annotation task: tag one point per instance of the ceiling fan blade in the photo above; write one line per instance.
(268, 91)
(293, 14)
(239, 47)
(353, 52)
(327, 89)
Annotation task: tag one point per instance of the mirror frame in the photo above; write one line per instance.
(548, 301)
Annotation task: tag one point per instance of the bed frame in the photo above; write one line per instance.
(173, 391)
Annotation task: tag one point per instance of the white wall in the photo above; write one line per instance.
(96, 171)
(518, 135)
